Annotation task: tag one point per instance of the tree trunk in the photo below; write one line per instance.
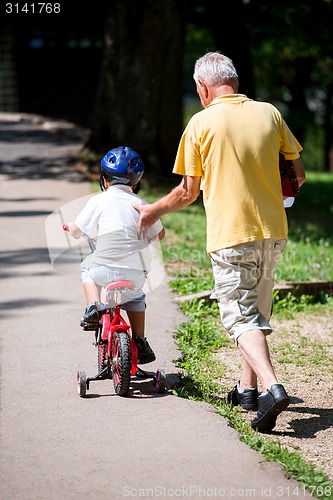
(139, 101)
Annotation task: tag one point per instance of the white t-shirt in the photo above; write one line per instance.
(118, 242)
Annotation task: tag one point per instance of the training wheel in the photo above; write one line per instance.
(160, 381)
(81, 383)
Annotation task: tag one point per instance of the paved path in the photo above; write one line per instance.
(55, 445)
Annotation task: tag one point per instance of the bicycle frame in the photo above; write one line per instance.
(112, 321)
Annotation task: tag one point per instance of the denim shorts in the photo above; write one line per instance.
(244, 281)
(133, 301)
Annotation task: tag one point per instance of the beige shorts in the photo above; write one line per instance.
(244, 280)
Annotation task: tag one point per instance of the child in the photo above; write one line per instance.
(121, 252)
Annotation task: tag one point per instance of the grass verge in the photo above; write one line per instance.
(198, 340)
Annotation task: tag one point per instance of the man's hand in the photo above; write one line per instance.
(148, 215)
(181, 196)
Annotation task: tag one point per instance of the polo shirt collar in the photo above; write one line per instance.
(229, 98)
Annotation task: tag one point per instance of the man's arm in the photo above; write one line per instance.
(182, 195)
(299, 170)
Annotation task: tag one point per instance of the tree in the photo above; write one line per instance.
(229, 33)
(292, 50)
(279, 52)
(139, 100)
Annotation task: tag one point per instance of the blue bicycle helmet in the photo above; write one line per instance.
(121, 165)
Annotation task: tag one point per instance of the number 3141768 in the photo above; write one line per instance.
(33, 8)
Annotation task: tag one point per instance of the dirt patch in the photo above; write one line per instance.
(302, 353)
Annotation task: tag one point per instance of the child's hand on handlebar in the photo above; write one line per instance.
(72, 228)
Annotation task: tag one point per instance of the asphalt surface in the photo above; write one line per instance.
(54, 444)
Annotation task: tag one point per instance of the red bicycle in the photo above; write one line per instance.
(117, 351)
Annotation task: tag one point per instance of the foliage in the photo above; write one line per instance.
(293, 67)
(291, 62)
(289, 306)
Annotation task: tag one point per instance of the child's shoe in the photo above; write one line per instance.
(90, 319)
(145, 352)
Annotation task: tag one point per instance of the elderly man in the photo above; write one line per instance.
(230, 149)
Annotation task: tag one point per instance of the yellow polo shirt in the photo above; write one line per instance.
(233, 145)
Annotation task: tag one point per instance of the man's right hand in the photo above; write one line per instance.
(148, 215)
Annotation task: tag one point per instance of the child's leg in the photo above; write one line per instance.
(137, 322)
(92, 292)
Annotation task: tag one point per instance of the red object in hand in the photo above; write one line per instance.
(65, 227)
(289, 182)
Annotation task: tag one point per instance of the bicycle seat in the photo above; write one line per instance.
(120, 285)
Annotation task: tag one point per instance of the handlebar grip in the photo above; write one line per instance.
(65, 227)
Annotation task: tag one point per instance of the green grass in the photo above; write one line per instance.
(310, 218)
(306, 260)
(304, 352)
(289, 306)
(198, 339)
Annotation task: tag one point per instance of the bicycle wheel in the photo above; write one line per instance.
(101, 357)
(121, 362)
(81, 383)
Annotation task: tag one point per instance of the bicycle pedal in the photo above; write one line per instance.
(91, 327)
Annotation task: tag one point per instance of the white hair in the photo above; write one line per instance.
(215, 69)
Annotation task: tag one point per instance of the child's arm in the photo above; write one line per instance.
(161, 234)
(72, 228)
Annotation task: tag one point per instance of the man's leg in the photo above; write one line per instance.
(243, 276)
(253, 346)
(248, 377)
